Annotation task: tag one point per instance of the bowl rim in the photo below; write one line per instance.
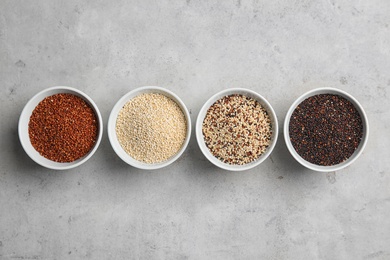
(112, 124)
(199, 133)
(357, 152)
(25, 118)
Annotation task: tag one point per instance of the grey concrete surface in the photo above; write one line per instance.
(106, 209)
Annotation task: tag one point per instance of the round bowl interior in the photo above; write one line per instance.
(25, 118)
(112, 124)
(202, 114)
(357, 152)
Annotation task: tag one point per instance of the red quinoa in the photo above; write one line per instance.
(63, 128)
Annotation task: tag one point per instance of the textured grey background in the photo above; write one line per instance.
(106, 209)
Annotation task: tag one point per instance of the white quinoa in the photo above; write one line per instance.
(237, 129)
(151, 128)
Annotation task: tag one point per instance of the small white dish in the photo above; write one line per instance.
(199, 133)
(112, 135)
(25, 118)
(354, 156)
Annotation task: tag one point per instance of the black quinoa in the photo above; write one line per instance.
(325, 129)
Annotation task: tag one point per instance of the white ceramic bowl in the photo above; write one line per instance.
(354, 156)
(25, 118)
(199, 134)
(112, 124)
